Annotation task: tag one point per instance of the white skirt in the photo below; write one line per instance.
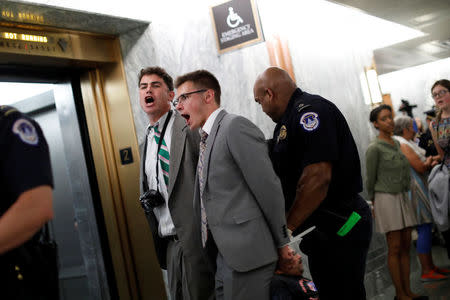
(393, 212)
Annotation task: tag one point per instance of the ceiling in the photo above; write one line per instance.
(432, 17)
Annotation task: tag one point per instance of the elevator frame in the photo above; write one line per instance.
(110, 126)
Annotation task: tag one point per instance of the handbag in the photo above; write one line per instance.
(32, 269)
(439, 193)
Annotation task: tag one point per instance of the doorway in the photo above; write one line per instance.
(75, 226)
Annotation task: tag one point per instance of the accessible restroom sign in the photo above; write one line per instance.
(236, 24)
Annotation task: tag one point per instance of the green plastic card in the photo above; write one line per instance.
(349, 224)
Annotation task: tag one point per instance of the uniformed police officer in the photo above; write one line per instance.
(426, 140)
(315, 156)
(26, 188)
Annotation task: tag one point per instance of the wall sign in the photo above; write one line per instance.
(22, 16)
(20, 41)
(236, 24)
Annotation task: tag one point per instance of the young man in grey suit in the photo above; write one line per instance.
(238, 197)
(167, 188)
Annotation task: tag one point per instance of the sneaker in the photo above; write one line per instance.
(432, 276)
(442, 270)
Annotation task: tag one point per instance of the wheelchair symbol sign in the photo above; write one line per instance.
(233, 19)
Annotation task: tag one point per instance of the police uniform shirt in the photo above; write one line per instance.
(313, 130)
(25, 159)
(426, 142)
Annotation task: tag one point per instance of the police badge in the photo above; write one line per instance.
(283, 133)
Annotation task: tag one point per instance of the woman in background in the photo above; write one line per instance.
(420, 165)
(388, 182)
(440, 130)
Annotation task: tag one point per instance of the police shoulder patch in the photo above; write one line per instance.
(309, 121)
(26, 131)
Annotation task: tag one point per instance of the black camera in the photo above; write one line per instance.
(151, 199)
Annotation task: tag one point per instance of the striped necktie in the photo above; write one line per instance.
(163, 156)
(201, 180)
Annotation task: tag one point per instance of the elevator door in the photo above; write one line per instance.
(74, 226)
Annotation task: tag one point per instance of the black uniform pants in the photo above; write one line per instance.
(337, 264)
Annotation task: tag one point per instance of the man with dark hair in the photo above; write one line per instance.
(315, 156)
(169, 157)
(26, 184)
(202, 78)
(160, 72)
(238, 198)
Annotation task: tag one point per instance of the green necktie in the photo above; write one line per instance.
(163, 156)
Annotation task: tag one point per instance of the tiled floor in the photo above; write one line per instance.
(436, 291)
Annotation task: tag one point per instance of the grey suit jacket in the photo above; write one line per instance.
(183, 163)
(242, 194)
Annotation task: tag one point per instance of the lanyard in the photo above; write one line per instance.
(145, 181)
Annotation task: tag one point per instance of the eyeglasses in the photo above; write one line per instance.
(185, 96)
(439, 94)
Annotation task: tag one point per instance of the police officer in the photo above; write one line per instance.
(426, 140)
(315, 156)
(26, 189)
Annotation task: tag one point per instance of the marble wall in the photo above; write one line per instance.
(329, 45)
(327, 60)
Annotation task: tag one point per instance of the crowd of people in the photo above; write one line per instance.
(223, 203)
(398, 186)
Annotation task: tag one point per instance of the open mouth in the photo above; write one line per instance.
(186, 117)
(440, 103)
(149, 99)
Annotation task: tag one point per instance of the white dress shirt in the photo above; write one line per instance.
(210, 121)
(162, 213)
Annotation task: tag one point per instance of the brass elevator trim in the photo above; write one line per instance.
(119, 113)
(95, 118)
(110, 126)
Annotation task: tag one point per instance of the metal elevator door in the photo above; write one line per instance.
(74, 227)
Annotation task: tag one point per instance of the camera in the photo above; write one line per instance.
(151, 199)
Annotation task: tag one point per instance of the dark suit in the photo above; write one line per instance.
(183, 162)
(243, 200)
